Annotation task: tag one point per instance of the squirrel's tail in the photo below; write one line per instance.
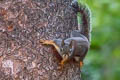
(85, 25)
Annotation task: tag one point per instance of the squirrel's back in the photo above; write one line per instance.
(85, 14)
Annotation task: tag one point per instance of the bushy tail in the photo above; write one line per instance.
(85, 25)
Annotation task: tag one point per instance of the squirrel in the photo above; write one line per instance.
(75, 47)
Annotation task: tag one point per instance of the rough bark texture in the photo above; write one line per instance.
(22, 24)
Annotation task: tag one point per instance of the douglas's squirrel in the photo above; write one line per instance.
(78, 44)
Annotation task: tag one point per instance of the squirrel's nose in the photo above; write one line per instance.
(65, 56)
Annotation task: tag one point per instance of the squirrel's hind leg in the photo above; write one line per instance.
(81, 64)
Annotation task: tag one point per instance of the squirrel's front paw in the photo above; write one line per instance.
(60, 67)
(42, 42)
(46, 42)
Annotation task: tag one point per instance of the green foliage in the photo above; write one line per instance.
(103, 60)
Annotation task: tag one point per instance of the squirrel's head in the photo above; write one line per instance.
(66, 49)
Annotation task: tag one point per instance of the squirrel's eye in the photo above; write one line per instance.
(61, 49)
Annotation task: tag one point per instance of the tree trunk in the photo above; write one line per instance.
(22, 24)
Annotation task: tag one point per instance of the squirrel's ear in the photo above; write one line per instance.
(62, 44)
(72, 44)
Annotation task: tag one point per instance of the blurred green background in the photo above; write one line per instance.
(103, 59)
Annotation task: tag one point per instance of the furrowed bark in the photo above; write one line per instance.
(22, 24)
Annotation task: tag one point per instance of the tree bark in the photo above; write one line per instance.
(22, 24)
